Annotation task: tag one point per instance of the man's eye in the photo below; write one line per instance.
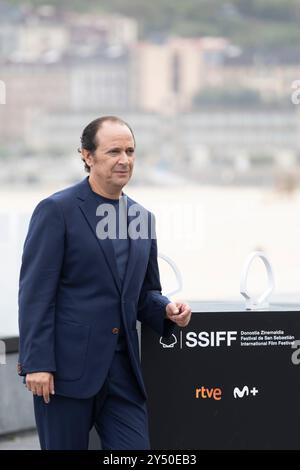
(130, 152)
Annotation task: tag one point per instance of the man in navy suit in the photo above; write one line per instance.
(89, 271)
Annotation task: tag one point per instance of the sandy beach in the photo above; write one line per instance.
(208, 232)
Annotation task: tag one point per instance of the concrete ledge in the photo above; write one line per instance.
(16, 410)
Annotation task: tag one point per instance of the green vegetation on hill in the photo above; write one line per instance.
(266, 24)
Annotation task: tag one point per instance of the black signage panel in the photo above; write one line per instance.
(230, 380)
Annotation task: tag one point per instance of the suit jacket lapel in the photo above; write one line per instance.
(88, 205)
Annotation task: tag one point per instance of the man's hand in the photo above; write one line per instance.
(41, 384)
(179, 313)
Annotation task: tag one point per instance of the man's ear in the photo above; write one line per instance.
(87, 155)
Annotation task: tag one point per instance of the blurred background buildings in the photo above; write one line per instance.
(227, 105)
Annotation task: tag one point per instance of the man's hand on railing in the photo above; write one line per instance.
(179, 312)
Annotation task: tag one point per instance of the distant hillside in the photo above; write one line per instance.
(259, 24)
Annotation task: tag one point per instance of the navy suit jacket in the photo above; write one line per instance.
(71, 297)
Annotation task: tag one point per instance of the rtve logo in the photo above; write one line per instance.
(210, 393)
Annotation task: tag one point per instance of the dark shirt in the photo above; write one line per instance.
(120, 241)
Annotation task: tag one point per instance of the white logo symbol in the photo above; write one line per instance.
(168, 342)
(176, 272)
(260, 302)
(237, 393)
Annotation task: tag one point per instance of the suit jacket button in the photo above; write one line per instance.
(115, 331)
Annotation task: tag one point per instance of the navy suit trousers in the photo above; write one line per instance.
(118, 412)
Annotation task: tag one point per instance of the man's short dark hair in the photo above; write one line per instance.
(88, 137)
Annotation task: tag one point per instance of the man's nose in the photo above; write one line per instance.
(123, 158)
